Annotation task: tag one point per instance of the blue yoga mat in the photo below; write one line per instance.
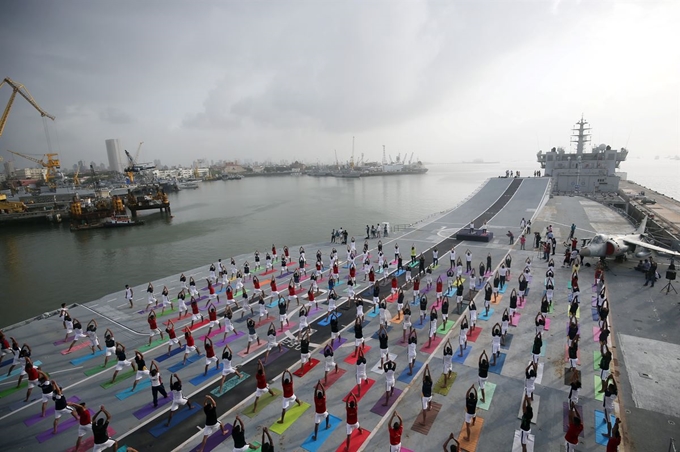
(481, 315)
(180, 416)
(326, 322)
(314, 446)
(459, 359)
(164, 356)
(191, 359)
(212, 372)
(499, 363)
(405, 377)
(601, 427)
(141, 386)
(82, 359)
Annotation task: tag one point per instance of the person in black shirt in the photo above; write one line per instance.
(252, 334)
(421, 265)
(574, 387)
(212, 424)
(423, 308)
(536, 348)
(426, 392)
(303, 337)
(60, 406)
(267, 442)
(605, 361)
(384, 347)
(470, 409)
(283, 309)
(525, 425)
(238, 434)
(483, 372)
(47, 387)
(335, 331)
(573, 354)
(100, 431)
(358, 336)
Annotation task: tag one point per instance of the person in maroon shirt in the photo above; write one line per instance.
(210, 355)
(395, 429)
(33, 375)
(153, 327)
(288, 393)
(320, 408)
(173, 340)
(190, 345)
(195, 314)
(262, 385)
(352, 408)
(574, 430)
(615, 438)
(84, 420)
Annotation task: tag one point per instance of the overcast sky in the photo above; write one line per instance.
(446, 80)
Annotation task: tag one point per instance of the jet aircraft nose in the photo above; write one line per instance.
(585, 252)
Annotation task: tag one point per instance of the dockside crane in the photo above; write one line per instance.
(53, 165)
(76, 179)
(18, 88)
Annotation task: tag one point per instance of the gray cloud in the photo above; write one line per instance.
(276, 79)
(115, 116)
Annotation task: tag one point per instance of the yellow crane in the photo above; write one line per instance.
(18, 88)
(52, 165)
(76, 180)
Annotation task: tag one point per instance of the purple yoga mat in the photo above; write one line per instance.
(231, 337)
(215, 439)
(213, 333)
(62, 427)
(336, 344)
(274, 354)
(381, 410)
(49, 413)
(149, 408)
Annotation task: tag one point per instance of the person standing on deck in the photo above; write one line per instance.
(178, 398)
(288, 393)
(153, 327)
(212, 424)
(320, 412)
(129, 294)
(395, 430)
(352, 408)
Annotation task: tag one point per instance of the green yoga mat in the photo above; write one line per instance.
(13, 389)
(96, 370)
(292, 415)
(597, 385)
(489, 390)
(449, 325)
(438, 386)
(264, 401)
(597, 356)
(156, 343)
(107, 384)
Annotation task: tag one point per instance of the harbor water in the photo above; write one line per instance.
(44, 266)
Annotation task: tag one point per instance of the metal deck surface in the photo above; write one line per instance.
(498, 202)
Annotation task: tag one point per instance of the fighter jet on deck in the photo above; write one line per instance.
(617, 246)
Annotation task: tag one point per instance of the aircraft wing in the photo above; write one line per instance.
(649, 246)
